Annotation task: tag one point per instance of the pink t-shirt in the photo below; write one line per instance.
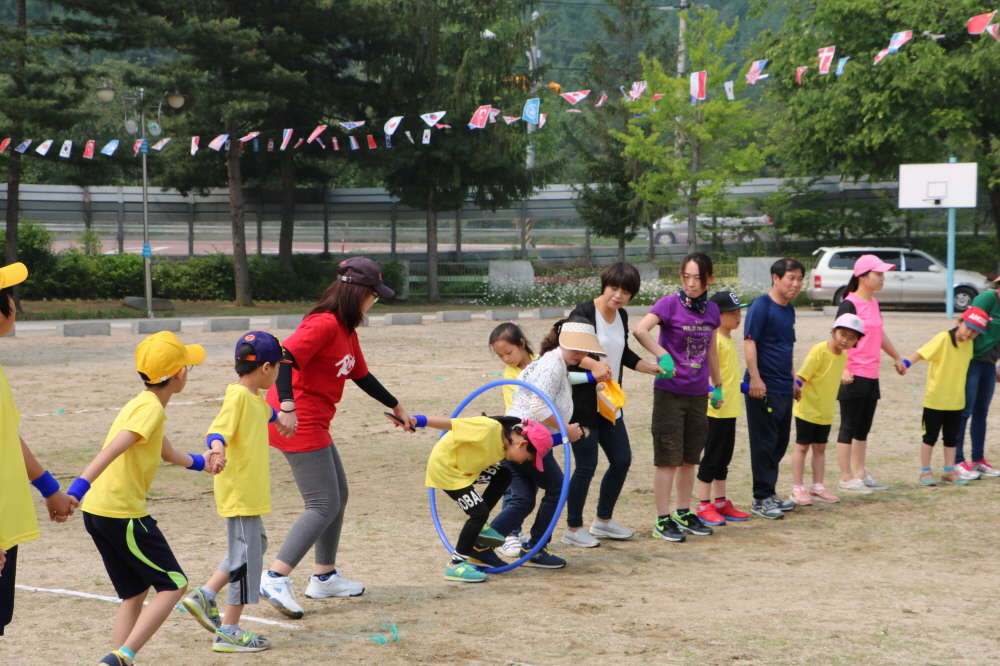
(863, 360)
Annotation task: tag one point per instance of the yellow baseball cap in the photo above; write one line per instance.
(162, 355)
(13, 274)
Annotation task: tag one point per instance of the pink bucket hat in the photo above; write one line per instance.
(540, 438)
(869, 262)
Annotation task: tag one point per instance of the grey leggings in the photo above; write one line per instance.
(323, 486)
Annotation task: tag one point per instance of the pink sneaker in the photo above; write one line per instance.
(801, 497)
(823, 495)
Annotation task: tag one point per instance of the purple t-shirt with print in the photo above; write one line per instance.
(686, 335)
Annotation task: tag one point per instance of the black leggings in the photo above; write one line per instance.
(858, 401)
(477, 507)
(718, 450)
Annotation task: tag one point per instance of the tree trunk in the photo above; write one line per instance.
(241, 270)
(433, 292)
(287, 209)
(621, 247)
(14, 171)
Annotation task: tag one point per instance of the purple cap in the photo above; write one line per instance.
(364, 271)
(266, 347)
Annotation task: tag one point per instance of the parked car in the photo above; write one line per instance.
(919, 278)
(673, 229)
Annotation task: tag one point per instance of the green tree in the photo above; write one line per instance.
(691, 153)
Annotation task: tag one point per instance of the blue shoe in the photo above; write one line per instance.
(485, 557)
(490, 537)
(463, 572)
(544, 560)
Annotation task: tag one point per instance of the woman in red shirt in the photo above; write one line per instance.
(320, 356)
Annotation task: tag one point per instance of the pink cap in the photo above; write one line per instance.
(540, 438)
(869, 262)
(976, 319)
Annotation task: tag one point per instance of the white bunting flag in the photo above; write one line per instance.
(510, 119)
(352, 125)
(899, 39)
(991, 30)
(66, 149)
(286, 136)
(43, 147)
(408, 136)
(574, 97)
(249, 137)
(219, 141)
(730, 93)
(391, 125)
(493, 115)
(161, 143)
(541, 120)
(353, 142)
(136, 147)
(573, 111)
(880, 56)
(698, 81)
(315, 133)
(433, 118)
(194, 144)
(427, 137)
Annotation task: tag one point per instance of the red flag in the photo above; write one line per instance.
(657, 96)
(880, 56)
(248, 137)
(88, 151)
(298, 143)
(698, 80)
(574, 97)
(6, 142)
(826, 59)
(604, 98)
(137, 146)
(480, 117)
(977, 24)
(336, 146)
(799, 71)
(371, 142)
(315, 133)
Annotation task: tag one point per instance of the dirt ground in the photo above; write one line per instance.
(906, 576)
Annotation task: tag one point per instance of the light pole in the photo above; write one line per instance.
(106, 94)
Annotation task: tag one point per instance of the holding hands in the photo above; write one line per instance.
(61, 506)
(287, 420)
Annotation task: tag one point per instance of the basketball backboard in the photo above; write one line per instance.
(949, 185)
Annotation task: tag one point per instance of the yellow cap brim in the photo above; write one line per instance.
(195, 354)
(13, 274)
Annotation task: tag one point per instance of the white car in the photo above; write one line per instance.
(919, 278)
(673, 229)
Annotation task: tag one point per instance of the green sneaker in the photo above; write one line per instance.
(244, 641)
(463, 572)
(202, 609)
(490, 538)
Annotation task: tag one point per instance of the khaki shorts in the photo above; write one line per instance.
(680, 428)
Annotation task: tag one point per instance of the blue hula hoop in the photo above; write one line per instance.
(562, 495)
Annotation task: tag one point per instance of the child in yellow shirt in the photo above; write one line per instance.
(820, 377)
(135, 552)
(242, 493)
(949, 354)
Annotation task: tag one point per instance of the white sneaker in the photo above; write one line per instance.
(279, 592)
(967, 472)
(986, 469)
(856, 486)
(580, 538)
(511, 547)
(873, 484)
(610, 530)
(334, 586)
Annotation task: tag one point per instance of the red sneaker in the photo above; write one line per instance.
(708, 514)
(729, 512)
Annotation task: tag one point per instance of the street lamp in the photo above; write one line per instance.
(106, 94)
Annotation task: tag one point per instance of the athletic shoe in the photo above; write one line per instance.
(242, 641)
(856, 486)
(986, 469)
(667, 529)
(610, 530)
(490, 538)
(203, 609)
(581, 538)
(279, 592)
(801, 497)
(463, 572)
(730, 512)
(511, 547)
(485, 557)
(709, 514)
(954, 478)
(927, 479)
(116, 658)
(334, 586)
(966, 471)
(784, 505)
(823, 495)
(544, 560)
(688, 522)
(873, 484)
(766, 508)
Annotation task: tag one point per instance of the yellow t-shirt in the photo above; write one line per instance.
(244, 487)
(821, 371)
(946, 376)
(17, 508)
(729, 368)
(511, 372)
(120, 491)
(464, 452)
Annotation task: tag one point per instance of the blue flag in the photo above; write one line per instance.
(840, 66)
(531, 111)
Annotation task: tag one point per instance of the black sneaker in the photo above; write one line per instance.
(544, 559)
(667, 529)
(485, 557)
(766, 509)
(784, 505)
(688, 522)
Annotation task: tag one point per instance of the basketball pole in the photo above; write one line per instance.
(950, 293)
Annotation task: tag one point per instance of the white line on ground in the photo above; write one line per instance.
(88, 595)
(110, 409)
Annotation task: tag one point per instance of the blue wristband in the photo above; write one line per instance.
(421, 421)
(906, 362)
(197, 462)
(557, 439)
(590, 377)
(79, 488)
(213, 437)
(46, 484)
(274, 415)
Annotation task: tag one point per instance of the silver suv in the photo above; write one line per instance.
(919, 278)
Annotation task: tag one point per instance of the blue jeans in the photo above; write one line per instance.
(523, 490)
(614, 440)
(980, 382)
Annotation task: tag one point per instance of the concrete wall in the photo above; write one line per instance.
(755, 274)
(516, 276)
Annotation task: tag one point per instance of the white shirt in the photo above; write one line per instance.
(612, 339)
(547, 373)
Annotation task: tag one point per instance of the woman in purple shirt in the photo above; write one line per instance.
(687, 355)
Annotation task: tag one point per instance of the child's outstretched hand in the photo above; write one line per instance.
(61, 506)
(215, 462)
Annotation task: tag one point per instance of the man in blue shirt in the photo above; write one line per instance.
(768, 342)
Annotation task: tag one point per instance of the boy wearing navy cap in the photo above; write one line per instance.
(242, 493)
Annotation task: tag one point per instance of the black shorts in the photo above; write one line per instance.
(807, 432)
(862, 388)
(8, 576)
(946, 422)
(135, 553)
(858, 402)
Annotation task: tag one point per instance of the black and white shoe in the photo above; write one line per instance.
(688, 522)
(766, 509)
(667, 529)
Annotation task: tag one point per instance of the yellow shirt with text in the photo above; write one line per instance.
(464, 452)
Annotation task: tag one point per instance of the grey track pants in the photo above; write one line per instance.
(245, 559)
(323, 486)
